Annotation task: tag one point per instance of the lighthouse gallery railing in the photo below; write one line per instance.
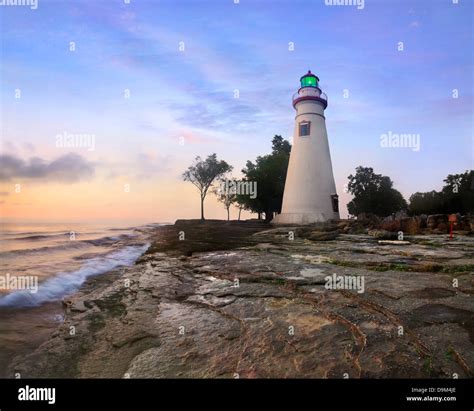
(322, 96)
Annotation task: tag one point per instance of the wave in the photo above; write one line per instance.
(49, 248)
(39, 237)
(35, 235)
(50, 236)
(71, 244)
(13, 232)
(149, 225)
(109, 240)
(65, 283)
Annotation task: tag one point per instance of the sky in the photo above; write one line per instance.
(150, 85)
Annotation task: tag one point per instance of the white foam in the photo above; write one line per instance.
(65, 283)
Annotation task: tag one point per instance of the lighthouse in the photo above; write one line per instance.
(310, 191)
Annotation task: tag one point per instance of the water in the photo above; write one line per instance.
(60, 257)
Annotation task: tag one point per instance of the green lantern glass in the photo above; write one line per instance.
(309, 80)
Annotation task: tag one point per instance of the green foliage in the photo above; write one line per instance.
(203, 173)
(457, 196)
(269, 172)
(458, 193)
(373, 193)
(227, 199)
(280, 145)
(426, 203)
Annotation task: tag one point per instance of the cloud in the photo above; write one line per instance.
(68, 168)
(142, 166)
(149, 165)
(196, 137)
(222, 114)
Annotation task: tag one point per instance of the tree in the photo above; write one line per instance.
(240, 207)
(457, 196)
(430, 202)
(224, 197)
(280, 145)
(458, 193)
(373, 193)
(269, 172)
(203, 173)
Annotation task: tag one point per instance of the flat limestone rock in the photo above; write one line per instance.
(394, 242)
(261, 309)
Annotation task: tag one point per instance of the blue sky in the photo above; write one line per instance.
(190, 93)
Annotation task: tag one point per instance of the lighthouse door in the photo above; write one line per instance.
(335, 203)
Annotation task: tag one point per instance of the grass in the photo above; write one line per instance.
(462, 268)
(449, 354)
(96, 322)
(429, 266)
(429, 243)
(205, 236)
(427, 365)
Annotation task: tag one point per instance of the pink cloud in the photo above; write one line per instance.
(194, 137)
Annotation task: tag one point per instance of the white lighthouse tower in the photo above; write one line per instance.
(310, 192)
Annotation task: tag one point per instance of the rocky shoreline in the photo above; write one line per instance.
(247, 300)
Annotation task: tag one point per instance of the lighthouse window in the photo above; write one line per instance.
(304, 128)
